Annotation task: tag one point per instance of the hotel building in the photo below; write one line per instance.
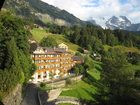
(52, 63)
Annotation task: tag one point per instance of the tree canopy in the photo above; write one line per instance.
(119, 77)
(15, 63)
(48, 42)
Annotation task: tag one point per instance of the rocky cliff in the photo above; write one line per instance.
(15, 97)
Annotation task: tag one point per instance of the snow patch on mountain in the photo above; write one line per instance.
(120, 22)
(116, 22)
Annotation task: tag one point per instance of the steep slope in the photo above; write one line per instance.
(120, 22)
(54, 12)
(134, 27)
(39, 34)
(41, 12)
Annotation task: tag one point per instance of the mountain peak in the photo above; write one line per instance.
(117, 22)
(120, 22)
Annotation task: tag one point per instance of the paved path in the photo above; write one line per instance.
(31, 95)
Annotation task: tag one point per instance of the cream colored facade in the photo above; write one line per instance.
(62, 45)
(51, 63)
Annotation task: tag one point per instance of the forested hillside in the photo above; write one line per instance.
(15, 63)
(113, 79)
(41, 13)
(93, 38)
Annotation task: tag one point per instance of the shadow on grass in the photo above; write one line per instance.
(98, 96)
(98, 68)
(89, 102)
(98, 65)
(92, 81)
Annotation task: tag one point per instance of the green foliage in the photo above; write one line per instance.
(134, 58)
(48, 42)
(128, 38)
(81, 90)
(86, 89)
(54, 12)
(26, 64)
(78, 69)
(86, 38)
(12, 69)
(45, 87)
(15, 63)
(68, 81)
(38, 34)
(42, 84)
(118, 77)
(93, 38)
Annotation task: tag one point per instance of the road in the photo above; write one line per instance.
(31, 95)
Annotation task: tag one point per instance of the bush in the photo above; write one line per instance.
(68, 81)
(42, 85)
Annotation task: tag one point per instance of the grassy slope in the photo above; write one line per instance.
(83, 89)
(86, 88)
(38, 34)
(123, 48)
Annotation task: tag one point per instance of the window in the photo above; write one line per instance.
(44, 76)
(47, 66)
(39, 76)
(42, 67)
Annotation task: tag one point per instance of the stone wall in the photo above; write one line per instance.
(51, 97)
(67, 99)
(62, 83)
(15, 97)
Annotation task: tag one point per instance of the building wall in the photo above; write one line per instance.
(62, 45)
(51, 64)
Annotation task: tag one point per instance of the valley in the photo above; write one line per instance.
(49, 56)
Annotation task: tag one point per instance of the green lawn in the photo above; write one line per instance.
(86, 88)
(61, 39)
(95, 72)
(81, 90)
(123, 48)
(38, 34)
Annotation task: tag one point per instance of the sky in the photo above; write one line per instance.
(100, 9)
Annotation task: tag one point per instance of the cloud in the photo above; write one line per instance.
(85, 9)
